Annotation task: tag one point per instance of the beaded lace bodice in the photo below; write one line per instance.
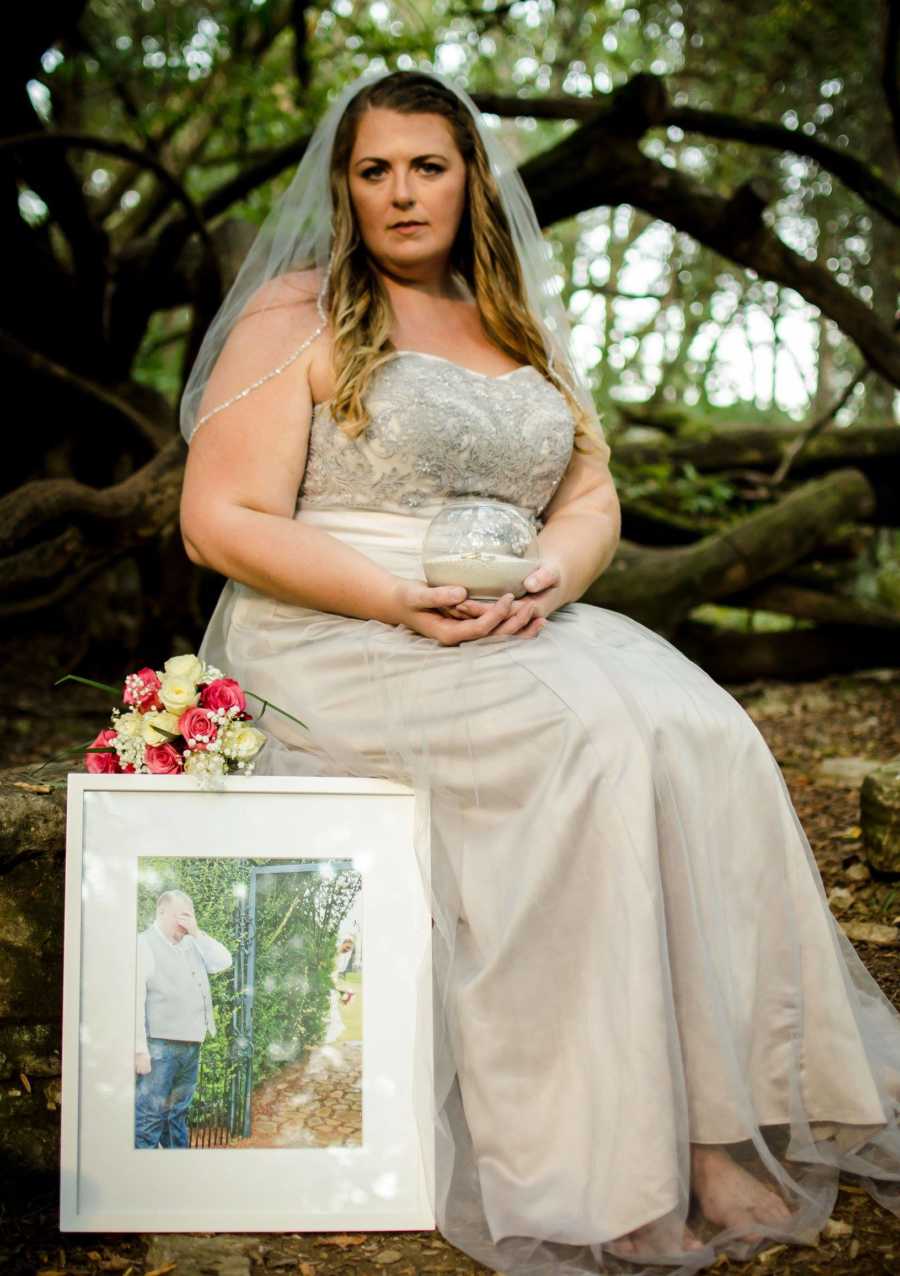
(439, 430)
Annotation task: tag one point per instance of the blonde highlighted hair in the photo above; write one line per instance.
(483, 254)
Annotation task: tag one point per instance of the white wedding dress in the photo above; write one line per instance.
(632, 948)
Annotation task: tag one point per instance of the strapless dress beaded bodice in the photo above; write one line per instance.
(440, 430)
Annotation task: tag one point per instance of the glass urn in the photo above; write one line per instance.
(486, 545)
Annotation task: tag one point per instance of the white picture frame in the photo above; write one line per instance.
(118, 825)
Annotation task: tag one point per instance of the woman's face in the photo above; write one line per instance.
(407, 168)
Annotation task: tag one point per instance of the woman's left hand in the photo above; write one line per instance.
(528, 614)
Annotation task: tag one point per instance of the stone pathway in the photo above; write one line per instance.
(313, 1102)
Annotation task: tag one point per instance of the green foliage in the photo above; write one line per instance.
(746, 620)
(681, 489)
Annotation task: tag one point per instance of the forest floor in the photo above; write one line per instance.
(824, 735)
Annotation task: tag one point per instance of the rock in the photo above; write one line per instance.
(221, 1254)
(32, 1048)
(839, 899)
(30, 823)
(385, 1256)
(857, 872)
(879, 807)
(871, 933)
(847, 771)
(29, 1129)
(32, 896)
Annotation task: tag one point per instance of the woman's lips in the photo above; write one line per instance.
(408, 228)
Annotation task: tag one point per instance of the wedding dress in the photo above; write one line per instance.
(632, 948)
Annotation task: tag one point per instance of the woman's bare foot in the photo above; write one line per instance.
(655, 1238)
(728, 1195)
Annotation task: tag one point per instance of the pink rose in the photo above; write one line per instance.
(163, 759)
(141, 690)
(102, 763)
(194, 723)
(222, 694)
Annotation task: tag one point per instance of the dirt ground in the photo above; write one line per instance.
(850, 717)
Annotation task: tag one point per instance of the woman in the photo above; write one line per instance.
(694, 1085)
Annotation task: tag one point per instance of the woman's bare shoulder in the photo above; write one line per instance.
(295, 291)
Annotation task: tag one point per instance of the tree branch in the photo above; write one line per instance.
(148, 431)
(890, 45)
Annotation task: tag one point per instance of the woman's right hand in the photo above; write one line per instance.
(418, 606)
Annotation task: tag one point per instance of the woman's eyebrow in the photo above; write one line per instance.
(377, 158)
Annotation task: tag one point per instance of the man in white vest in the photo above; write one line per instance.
(173, 1014)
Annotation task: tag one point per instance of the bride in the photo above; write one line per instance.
(690, 1080)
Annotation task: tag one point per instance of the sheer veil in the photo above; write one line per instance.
(632, 952)
(297, 235)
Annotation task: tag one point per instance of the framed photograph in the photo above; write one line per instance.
(241, 977)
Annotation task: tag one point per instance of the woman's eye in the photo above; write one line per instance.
(374, 172)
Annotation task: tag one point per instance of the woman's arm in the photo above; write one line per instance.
(582, 525)
(245, 465)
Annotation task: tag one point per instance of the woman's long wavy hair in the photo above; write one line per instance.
(483, 253)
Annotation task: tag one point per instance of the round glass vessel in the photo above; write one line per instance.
(486, 545)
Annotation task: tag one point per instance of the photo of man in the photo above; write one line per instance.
(173, 1015)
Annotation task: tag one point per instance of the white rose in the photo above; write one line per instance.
(241, 741)
(155, 724)
(189, 667)
(178, 694)
(130, 725)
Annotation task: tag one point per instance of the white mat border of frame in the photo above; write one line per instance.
(106, 1184)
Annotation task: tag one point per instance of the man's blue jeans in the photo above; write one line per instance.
(163, 1095)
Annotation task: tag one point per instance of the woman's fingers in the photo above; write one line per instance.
(475, 618)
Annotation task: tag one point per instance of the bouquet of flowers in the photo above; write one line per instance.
(184, 718)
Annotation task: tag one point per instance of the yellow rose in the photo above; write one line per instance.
(178, 694)
(155, 724)
(189, 667)
(130, 725)
(241, 741)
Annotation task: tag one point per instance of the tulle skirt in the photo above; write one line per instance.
(632, 948)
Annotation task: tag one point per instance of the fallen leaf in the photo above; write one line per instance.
(161, 1271)
(343, 1240)
(25, 1082)
(769, 1253)
(306, 1269)
(387, 1256)
(32, 788)
(854, 1248)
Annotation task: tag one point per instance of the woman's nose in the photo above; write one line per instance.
(401, 193)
